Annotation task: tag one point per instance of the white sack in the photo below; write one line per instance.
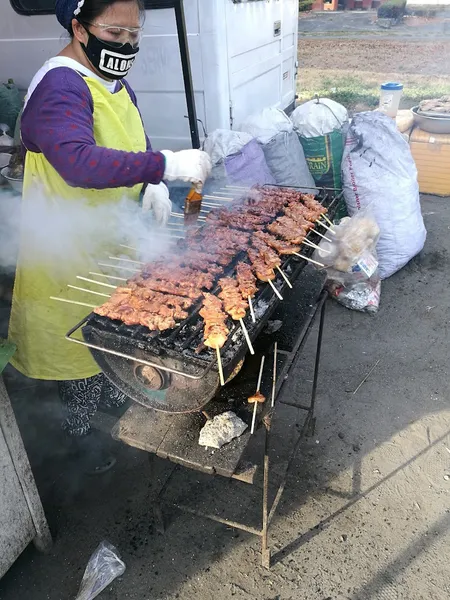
(267, 124)
(378, 170)
(319, 117)
(223, 142)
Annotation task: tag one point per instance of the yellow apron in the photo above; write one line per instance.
(70, 233)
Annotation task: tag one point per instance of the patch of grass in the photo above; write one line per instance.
(305, 5)
(392, 9)
(362, 91)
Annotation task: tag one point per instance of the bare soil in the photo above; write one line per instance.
(376, 56)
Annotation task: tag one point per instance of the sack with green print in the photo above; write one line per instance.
(320, 126)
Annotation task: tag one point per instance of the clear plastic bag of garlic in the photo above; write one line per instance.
(353, 238)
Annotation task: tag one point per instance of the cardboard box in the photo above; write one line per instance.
(431, 151)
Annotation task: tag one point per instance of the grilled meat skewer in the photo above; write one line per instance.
(216, 332)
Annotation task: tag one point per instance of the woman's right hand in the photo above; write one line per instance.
(187, 165)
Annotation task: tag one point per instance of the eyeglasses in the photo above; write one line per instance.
(118, 35)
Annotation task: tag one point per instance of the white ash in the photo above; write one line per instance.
(221, 430)
(260, 308)
(273, 326)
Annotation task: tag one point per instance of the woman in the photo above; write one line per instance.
(85, 150)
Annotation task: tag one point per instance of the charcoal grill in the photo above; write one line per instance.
(172, 371)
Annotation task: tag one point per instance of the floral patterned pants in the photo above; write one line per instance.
(82, 398)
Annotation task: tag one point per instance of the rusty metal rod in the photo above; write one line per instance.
(233, 524)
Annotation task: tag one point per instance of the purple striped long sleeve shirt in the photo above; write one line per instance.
(58, 121)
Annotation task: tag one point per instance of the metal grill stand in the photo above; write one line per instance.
(175, 437)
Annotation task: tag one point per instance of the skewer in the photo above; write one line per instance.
(73, 302)
(181, 216)
(323, 236)
(274, 378)
(171, 235)
(326, 227)
(226, 194)
(252, 312)
(275, 289)
(229, 190)
(309, 259)
(212, 204)
(330, 223)
(247, 337)
(128, 247)
(219, 364)
(107, 276)
(172, 224)
(257, 390)
(74, 287)
(237, 187)
(108, 285)
(222, 198)
(312, 245)
(137, 262)
(284, 276)
(260, 373)
(118, 267)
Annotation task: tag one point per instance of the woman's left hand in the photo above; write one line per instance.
(156, 198)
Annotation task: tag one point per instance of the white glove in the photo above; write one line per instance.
(156, 198)
(187, 165)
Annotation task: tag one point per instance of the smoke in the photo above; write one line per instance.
(9, 230)
(53, 233)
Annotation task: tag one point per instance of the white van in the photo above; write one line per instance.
(243, 57)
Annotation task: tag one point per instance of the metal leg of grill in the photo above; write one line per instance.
(156, 495)
(265, 549)
(312, 418)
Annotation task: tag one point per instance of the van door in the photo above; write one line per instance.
(260, 46)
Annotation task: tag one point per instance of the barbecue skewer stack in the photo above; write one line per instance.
(216, 331)
(247, 284)
(235, 305)
(261, 228)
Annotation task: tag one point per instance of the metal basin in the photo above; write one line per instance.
(431, 124)
(16, 184)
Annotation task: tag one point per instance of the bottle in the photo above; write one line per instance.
(192, 206)
(390, 95)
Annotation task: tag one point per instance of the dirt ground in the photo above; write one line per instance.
(386, 56)
(365, 515)
(347, 58)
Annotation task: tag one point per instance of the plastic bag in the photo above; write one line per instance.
(222, 143)
(378, 170)
(5, 139)
(267, 124)
(103, 567)
(352, 264)
(10, 104)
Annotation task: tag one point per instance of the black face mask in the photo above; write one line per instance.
(111, 59)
